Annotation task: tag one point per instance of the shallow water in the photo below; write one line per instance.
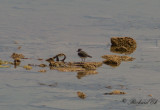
(46, 28)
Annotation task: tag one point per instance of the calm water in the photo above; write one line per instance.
(44, 28)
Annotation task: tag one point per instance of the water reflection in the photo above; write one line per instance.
(81, 74)
(122, 49)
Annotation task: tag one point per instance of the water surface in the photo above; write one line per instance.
(46, 28)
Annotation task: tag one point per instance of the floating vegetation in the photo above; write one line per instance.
(126, 58)
(4, 64)
(57, 62)
(115, 60)
(60, 65)
(17, 56)
(1, 66)
(112, 60)
(89, 67)
(81, 95)
(115, 92)
(27, 67)
(42, 65)
(123, 45)
(42, 71)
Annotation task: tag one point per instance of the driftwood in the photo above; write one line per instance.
(57, 57)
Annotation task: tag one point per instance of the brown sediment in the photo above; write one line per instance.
(123, 45)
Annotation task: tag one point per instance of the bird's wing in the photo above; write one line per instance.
(85, 54)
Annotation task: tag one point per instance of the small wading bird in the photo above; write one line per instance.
(83, 55)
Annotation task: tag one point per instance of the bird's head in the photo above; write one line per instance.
(79, 50)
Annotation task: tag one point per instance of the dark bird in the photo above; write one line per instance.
(83, 55)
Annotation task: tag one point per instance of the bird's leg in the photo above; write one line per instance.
(81, 60)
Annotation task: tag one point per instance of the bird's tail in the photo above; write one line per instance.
(89, 56)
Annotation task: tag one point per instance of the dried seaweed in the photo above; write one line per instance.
(81, 95)
(42, 71)
(27, 67)
(115, 60)
(4, 64)
(115, 92)
(17, 56)
(123, 45)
